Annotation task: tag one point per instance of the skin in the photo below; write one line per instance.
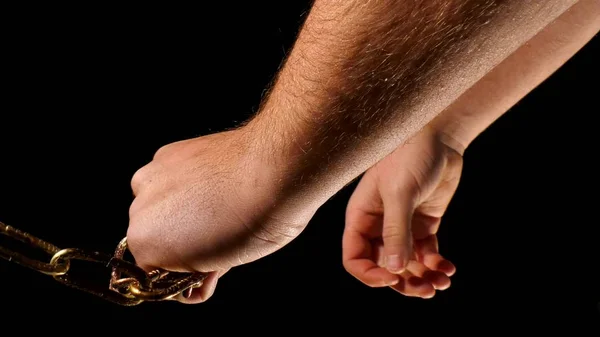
(403, 197)
(363, 77)
(399, 202)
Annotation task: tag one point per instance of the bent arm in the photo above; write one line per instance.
(517, 75)
(366, 75)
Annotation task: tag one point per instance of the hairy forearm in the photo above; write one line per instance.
(366, 75)
(517, 75)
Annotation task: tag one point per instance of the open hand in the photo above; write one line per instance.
(394, 214)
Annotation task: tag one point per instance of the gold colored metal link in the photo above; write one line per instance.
(129, 284)
(32, 241)
(157, 285)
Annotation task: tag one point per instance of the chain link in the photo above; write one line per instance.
(128, 285)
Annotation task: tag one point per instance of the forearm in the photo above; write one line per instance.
(517, 75)
(366, 75)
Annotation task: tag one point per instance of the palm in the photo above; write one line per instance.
(412, 188)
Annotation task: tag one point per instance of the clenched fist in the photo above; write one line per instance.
(209, 204)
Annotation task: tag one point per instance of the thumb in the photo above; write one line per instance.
(396, 232)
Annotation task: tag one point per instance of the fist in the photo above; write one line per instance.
(206, 205)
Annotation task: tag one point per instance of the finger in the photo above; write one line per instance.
(371, 274)
(144, 176)
(428, 255)
(204, 292)
(360, 250)
(364, 213)
(360, 261)
(139, 178)
(439, 263)
(437, 279)
(413, 286)
(396, 232)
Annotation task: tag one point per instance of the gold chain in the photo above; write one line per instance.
(128, 285)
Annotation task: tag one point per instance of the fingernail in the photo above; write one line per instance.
(394, 263)
(188, 293)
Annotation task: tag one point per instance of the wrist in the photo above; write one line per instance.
(451, 134)
(276, 154)
(456, 132)
(269, 169)
(294, 157)
(269, 143)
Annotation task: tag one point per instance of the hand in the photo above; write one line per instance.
(208, 204)
(394, 214)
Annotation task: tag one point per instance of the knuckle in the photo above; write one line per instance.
(393, 232)
(142, 177)
(138, 177)
(346, 265)
(350, 270)
(134, 209)
(162, 151)
(165, 150)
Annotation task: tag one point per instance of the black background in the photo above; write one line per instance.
(90, 93)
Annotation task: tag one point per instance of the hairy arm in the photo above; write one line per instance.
(517, 75)
(366, 75)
